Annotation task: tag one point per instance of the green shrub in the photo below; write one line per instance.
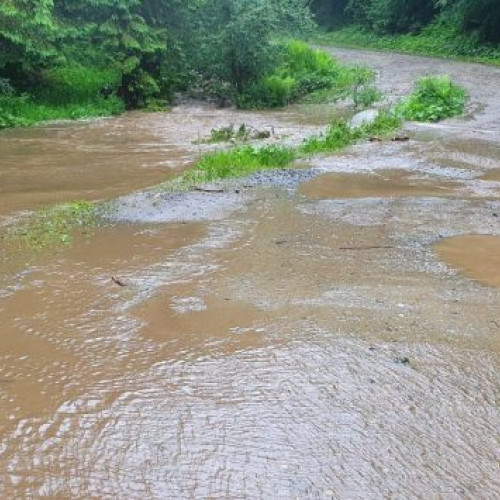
(386, 122)
(340, 134)
(303, 71)
(365, 96)
(434, 98)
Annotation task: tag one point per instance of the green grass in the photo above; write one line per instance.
(54, 225)
(340, 135)
(438, 40)
(24, 111)
(434, 98)
(235, 162)
(244, 160)
(64, 93)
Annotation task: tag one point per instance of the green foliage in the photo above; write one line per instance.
(24, 111)
(440, 39)
(366, 96)
(76, 84)
(473, 20)
(386, 122)
(27, 30)
(233, 40)
(481, 17)
(237, 162)
(303, 71)
(340, 134)
(434, 99)
(392, 16)
(54, 225)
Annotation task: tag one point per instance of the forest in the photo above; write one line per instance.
(69, 59)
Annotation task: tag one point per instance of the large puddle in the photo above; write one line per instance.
(378, 184)
(476, 256)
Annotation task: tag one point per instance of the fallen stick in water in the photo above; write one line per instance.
(208, 190)
(375, 247)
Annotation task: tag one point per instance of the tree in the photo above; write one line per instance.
(234, 39)
(27, 31)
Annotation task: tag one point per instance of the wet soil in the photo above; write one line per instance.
(477, 256)
(492, 175)
(270, 341)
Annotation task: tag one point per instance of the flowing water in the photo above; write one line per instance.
(339, 340)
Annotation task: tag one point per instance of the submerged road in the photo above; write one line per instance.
(329, 332)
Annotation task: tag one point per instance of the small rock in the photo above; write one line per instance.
(363, 118)
(402, 361)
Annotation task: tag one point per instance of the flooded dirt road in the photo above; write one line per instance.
(109, 157)
(330, 332)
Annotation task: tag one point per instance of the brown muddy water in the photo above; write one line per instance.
(325, 338)
(477, 256)
(110, 157)
(381, 183)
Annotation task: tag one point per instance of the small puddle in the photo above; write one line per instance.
(380, 184)
(476, 256)
(492, 175)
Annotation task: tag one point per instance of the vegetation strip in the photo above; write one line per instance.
(53, 225)
(245, 160)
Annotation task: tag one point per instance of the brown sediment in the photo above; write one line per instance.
(476, 256)
(381, 183)
(492, 175)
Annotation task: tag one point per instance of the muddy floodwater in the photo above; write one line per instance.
(331, 331)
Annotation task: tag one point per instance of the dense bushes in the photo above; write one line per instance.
(477, 18)
(61, 52)
(391, 16)
(302, 71)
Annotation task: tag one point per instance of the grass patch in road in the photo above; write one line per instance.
(54, 225)
(244, 160)
(434, 98)
(340, 135)
(236, 162)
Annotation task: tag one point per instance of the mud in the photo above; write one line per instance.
(477, 256)
(492, 175)
(381, 184)
(269, 343)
